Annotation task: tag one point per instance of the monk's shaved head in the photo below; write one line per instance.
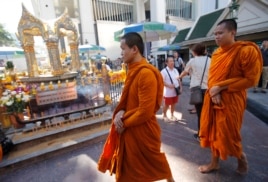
(134, 39)
(230, 24)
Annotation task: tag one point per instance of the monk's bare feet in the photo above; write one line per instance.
(170, 180)
(208, 168)
(242, 167)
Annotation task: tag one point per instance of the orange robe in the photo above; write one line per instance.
(238, 67)
(1, 153)
(135, 154)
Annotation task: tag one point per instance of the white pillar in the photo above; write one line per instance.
(87, 21)
(158, 10)
(158, 13)
(139, 11)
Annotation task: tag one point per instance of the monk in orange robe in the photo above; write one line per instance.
(132, 149)
(235, 66)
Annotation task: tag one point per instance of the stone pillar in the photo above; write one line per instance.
(54, 57)
(75, 63)
(32, 66)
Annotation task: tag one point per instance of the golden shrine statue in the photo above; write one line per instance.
(51, 32)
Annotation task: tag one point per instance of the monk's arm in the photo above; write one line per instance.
(251, 66)
(147, 93)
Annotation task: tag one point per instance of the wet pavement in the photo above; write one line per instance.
(183, 152)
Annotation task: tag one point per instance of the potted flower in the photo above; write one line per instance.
(14, 103)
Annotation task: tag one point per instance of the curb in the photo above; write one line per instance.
(257, 109)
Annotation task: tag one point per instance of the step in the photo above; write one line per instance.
(32, 146)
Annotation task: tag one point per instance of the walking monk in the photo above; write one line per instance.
(132, 149)
(235, 66)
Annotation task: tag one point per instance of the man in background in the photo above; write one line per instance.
(179, 64)
(264, 77)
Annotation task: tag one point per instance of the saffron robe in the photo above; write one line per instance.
(135, 154)
(238, 67)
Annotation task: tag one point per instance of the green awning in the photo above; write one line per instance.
(204, 24)
(181, 36)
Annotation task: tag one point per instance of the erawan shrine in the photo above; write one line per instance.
(42, 99)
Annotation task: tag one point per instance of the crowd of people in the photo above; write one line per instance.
(132, 148)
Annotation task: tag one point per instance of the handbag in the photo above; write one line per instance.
(196, 96)
(177, 89)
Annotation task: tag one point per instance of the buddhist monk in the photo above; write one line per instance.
(132, 149)
(235, 66)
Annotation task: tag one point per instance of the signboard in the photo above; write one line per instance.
(57, 95)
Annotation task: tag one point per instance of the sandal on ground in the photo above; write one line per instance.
(242, 167)
(193, 111)
(208, 168)
(173, 118)
(165, 119)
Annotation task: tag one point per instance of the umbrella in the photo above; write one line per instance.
(150, 31)
(170, 47)
(11, 51)
(98, 57)
(90, 47)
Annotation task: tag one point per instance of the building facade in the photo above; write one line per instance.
(97, 20)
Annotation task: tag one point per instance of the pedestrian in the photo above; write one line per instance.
(264, 51)
(83, 57)
(152, 60)
(198, 67)
(179, 64)
(132, 149)
(235, 66)
(171, 81)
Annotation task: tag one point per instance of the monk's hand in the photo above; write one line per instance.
(118, 120)
(214, 90)
(120, 130)
(216, 99)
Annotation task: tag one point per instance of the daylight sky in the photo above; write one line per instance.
(10, 13)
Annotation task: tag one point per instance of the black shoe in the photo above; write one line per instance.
(196, 137)
(263, 91)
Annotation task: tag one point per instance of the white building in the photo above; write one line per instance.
(97, 20)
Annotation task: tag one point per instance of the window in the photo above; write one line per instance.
(179, 8)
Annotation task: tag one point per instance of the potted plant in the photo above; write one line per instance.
(9, 71)
(9, 66)
(14, 104)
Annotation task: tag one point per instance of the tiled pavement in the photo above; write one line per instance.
(183, 153)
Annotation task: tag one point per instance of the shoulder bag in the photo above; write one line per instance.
(196, 95)
(177, 89)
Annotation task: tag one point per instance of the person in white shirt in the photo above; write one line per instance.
(195, 67)
(171, 81)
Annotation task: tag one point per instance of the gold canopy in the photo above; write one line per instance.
(51, 32)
